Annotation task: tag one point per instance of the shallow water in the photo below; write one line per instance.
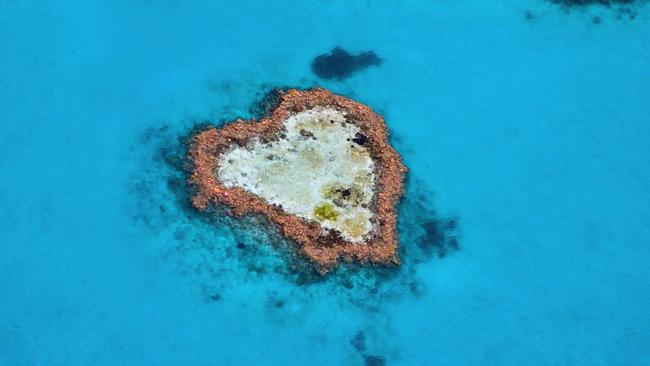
(524, 228)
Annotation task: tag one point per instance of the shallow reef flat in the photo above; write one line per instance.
(318, 165)
(319, 148)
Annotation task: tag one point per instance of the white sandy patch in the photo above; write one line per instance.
(298, 170)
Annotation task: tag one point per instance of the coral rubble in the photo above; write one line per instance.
(318, 165)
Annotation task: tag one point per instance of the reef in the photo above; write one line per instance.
(622, 9)
(318, 165)
(339, 64)
(591, 2)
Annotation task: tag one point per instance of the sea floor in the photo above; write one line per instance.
(524, 229)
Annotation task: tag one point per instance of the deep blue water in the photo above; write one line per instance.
(532, 136)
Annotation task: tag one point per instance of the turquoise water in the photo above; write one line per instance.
(530, 135)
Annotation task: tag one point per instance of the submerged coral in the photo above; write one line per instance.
(591, 2)
(339, 64)
(622, 9)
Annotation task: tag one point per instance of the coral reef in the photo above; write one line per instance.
(590, 2)
(621, 9)
(351, 218)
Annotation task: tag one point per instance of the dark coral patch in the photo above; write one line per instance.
(359, 341)
(339, 64)
(626, 12)
(592, 2)
(435, 240)
(529, 15)
(424, 233)
(623, 9)
(370, 360)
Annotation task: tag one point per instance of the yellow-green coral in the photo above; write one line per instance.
(326, 212)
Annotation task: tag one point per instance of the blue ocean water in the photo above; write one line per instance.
(524, 124)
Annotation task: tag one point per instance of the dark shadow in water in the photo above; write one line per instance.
(622, 9)
(359, 341)
(372, 360)
(592, 2)
(339, 64)
(529, 15)
(424, 234)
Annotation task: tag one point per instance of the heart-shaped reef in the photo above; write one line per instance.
(318, 165)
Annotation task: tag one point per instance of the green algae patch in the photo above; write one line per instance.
(326, 212)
